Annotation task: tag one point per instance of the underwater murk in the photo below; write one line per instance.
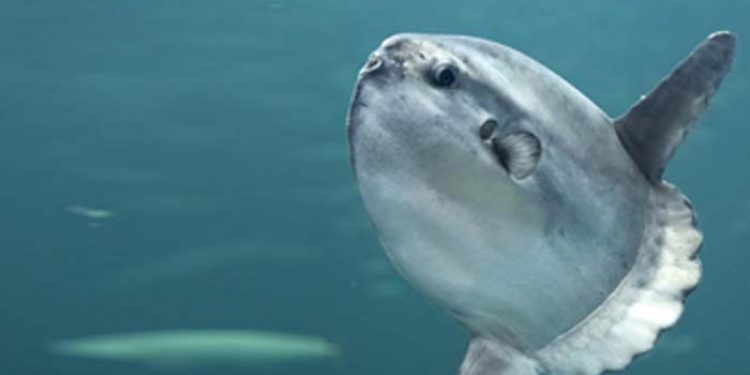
(178, 194)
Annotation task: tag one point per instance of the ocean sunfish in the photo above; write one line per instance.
(520, 208)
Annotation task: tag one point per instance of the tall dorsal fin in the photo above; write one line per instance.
(653, 128)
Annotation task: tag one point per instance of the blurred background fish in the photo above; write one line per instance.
(187, 349)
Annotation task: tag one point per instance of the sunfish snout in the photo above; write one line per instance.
(389, 57)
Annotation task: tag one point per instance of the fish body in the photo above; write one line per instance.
(523, 210)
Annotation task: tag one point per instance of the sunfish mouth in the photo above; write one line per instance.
(374, 62)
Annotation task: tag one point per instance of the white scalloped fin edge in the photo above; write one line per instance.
(647, 301)
(489, 357)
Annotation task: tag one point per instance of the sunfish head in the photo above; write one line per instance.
(495, 187)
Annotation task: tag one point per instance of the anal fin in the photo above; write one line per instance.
(488, 357)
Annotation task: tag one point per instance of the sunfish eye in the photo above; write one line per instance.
(444, 75)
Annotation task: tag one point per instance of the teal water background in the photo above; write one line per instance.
(214, 133)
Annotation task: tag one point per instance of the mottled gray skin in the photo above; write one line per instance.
(519, 260)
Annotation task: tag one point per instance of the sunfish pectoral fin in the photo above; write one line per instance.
(488, 357)
(653, 128)
(518, 153)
